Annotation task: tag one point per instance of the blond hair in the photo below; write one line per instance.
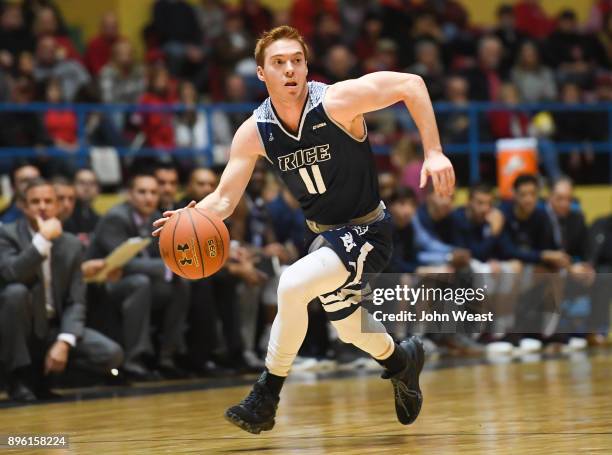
(278, 33)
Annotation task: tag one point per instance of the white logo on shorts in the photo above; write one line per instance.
(348, 241)
(271, 138)
(360, 230)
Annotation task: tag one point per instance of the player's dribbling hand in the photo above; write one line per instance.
(439, 167)
(159, 224)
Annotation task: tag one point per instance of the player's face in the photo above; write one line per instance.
(41, 201)
(526, 197)
(480, 206)
(144, 195)
(284, 71)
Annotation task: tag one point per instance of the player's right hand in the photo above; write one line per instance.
(159, 224)
(439, 168)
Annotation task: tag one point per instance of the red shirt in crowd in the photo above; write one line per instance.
(304, 13)
(98, 53)
(506, 124)
(61, 126)
(64, 43)
(157, 126)
(532, 20)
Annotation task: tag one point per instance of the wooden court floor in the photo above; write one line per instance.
(545, 407)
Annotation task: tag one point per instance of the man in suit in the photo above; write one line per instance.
(22, 172)
(42, 300)
(169, 293)
(66, 198)
(168, 179)
(84, 218)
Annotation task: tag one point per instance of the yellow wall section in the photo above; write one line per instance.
(86, 14)
(482, 12)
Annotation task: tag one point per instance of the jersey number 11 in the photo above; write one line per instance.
(318, 187)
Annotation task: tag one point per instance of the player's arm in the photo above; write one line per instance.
(245, 150)
(347, 101)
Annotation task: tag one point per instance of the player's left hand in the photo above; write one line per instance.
(439, 167)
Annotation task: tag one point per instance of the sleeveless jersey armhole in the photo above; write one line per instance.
(265, 153)
(261, 139)
(347, 132)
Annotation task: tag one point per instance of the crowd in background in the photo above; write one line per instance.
(204, 52)
(146, 323)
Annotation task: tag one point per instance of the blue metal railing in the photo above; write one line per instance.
(474, 147)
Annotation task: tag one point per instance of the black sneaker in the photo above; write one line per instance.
(256, 412)
(408, 396)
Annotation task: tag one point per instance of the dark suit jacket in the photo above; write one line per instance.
(20, 262)
(571, 234)
(83, 219)
(116, 227)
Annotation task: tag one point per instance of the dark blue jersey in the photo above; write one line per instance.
(330, 172)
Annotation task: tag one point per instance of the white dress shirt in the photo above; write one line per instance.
(43, 246)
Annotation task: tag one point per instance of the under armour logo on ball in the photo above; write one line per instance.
(188, 256)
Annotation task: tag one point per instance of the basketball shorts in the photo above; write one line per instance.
(363, 249)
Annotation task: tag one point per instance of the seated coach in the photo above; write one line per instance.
(42, 300)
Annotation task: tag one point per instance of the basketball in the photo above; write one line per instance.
(194, 244)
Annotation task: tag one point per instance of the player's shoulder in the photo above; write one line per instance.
(316, 92)
(247, 136)
(264, 113)
(247, 129)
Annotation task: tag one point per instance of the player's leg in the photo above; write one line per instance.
(402, 363)
(317, 273)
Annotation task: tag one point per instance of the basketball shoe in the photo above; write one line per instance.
(256, 412)
(408, 396)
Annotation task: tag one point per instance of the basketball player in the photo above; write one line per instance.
(315, 137)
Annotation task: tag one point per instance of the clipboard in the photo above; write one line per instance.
(120, 256)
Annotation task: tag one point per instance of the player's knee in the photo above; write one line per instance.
(291, 288)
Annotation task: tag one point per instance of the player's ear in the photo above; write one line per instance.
(260, 74)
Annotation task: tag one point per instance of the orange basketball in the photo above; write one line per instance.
(194, 244)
